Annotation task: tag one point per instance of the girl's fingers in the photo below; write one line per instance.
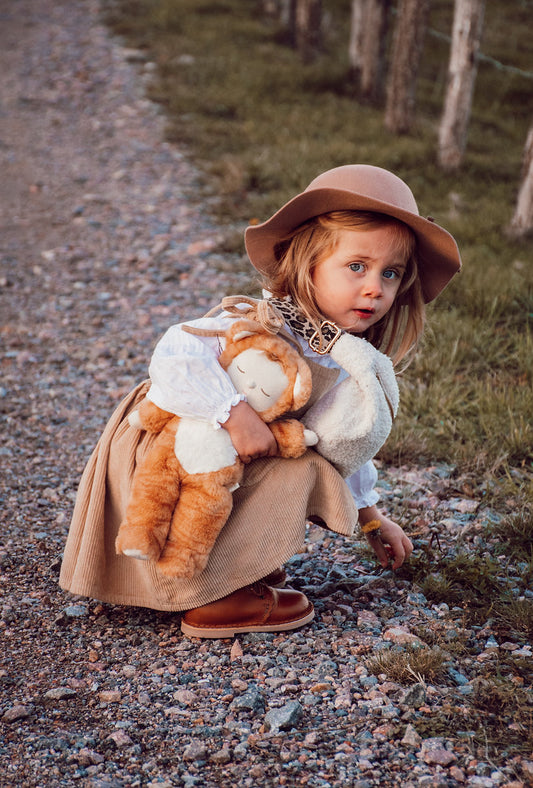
(392, 544)
(396, 552)
(381, 552)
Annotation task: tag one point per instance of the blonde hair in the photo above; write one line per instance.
(298, 254)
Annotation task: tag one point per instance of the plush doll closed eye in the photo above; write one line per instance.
(181, 491)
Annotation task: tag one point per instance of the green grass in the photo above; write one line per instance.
(260, 125)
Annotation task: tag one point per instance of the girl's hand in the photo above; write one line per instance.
(250, 436)
(392, 541)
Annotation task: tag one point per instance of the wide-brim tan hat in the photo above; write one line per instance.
(360, 187)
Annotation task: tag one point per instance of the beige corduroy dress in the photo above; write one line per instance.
(266, 527)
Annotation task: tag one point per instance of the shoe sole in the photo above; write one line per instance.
(229, 632)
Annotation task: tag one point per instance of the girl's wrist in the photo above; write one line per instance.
(367, 514)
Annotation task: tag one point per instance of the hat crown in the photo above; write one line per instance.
(369, 181)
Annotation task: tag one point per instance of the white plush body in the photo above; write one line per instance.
(200, 448)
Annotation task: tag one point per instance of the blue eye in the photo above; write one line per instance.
(356, 267)
(391, 274)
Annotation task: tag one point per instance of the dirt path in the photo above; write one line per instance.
(103, 243)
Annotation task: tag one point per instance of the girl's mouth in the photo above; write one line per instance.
(364, 313)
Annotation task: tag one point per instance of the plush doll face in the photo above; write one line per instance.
(265, 368)
(262, 380)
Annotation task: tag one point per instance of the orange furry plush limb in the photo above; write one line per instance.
(181, 493)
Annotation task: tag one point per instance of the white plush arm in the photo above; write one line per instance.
(310, 438)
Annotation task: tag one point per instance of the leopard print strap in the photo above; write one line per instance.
(320, 340)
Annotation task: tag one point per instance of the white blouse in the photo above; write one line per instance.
(188, 380)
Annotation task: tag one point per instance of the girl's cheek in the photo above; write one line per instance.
(392, 286)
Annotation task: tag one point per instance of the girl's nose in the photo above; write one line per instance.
(373, 286)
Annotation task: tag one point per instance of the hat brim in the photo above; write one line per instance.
(437, 252)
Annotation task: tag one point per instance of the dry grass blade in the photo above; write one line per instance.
(409, 666)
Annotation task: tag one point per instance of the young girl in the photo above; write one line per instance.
(349, 263)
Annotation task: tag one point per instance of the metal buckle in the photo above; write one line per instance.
(314, 341)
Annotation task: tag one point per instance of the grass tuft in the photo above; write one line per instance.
(515, 534)
(409, 666)
(515, 617)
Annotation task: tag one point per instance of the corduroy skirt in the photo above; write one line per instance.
(266, 527)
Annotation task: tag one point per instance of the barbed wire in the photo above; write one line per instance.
(480, 56)
(485, 58)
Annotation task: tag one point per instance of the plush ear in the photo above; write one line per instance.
(297, 386)
(242, 329)
(242, 334)
(302, 385)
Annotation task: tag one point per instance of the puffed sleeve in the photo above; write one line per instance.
(362, 485)
(186, 377)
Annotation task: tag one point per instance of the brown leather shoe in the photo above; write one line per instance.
(276, 579)
(255, 608)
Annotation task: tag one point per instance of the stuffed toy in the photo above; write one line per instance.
(181, 493)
